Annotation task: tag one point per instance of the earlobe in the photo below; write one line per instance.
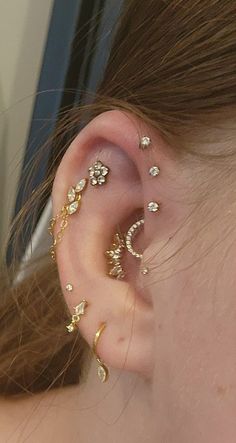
(109, 161)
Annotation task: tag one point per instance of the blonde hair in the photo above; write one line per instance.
(175, 68)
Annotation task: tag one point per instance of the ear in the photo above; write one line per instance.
(113, 138)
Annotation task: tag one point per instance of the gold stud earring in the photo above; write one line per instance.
(144, 142)
(69, 287)
(115, 254)
(102, 370)
(79, 310)
(98, 173)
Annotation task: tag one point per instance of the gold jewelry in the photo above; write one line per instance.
(102, 370)
(97, 173)
(79, 310)
(145, 142)
(73, 204)
(130, 235)
(115, 255)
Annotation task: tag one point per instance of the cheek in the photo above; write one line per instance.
(195, 377)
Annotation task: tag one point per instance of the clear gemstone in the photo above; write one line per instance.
(72, 207)
(102, 373)
(144, 142)
(71, 194)
(145, 270)
(79, 309)
(101, 180)
(80, 185)
(154, 171)
(93, 181)
(70, 327)
(153, 206)
(69, 287)
(104, 170)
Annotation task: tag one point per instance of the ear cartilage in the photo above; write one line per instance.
(130, 235)
(144, 142)
(98, 173)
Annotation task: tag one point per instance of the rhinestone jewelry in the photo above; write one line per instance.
(97, 173)
(115, 255)
(102, 369)
(145, 142)
(154, 171)
(130, 235)
(153, 206)
(69, 287)
(79, 310)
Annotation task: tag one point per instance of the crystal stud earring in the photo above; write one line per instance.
(145, 142)
(98, 173)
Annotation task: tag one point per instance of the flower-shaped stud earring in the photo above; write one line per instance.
(97, 173)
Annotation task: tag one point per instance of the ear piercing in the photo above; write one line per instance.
(145, 142)
(102, 369)
(129, 237)
(79, 310)
(69, 287)
(154, 171)
(153, 206)
(97, 173)
(115, 255)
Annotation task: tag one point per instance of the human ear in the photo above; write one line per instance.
(112, 138)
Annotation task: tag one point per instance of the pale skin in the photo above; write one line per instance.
(172, 378)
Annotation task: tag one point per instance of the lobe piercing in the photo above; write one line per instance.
(97, 173)
(102, 369)
(145, 142)
(79, 310)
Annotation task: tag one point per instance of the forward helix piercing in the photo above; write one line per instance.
(102, 370)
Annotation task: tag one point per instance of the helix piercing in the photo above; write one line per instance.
(154, 171)
(79, 310)
(98, 173)
(102, 369)
(115, 254)
(144, 142)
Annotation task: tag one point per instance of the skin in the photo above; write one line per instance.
(173, 379)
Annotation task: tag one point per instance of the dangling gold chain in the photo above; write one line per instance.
(57, 238)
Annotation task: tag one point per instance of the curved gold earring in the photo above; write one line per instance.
(102, 370)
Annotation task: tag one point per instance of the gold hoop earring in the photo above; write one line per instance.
(102, 370)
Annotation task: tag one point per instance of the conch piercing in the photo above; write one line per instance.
(98, 173)
(102, 369)
(115, 255)
(79, 310)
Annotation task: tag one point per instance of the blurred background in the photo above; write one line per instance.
(50, 50)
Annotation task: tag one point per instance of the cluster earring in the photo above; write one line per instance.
(115, 254)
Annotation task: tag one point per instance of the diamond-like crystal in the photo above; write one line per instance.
(79, 309)
(69, 287)
(70, 327)
(81, 185)
(101, 179)
(93, 181)
(104, 170)
(72, 207)
(144, 142)
(71, 194)
(102, 373)
(154, 171)
(153, 206)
